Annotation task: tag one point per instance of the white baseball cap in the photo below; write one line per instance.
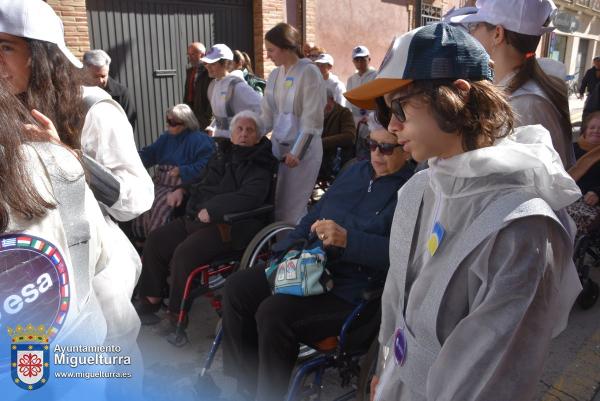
(34, 19)
(528, 17)
(360, 51)
(453, 12)
(325, 59)
(216, 53)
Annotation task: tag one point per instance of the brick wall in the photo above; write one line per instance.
(311, 21)
(267, 14)
(74, 17)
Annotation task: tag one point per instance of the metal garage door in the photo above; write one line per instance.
(147, 41)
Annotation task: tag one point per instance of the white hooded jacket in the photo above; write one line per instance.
(507, 297)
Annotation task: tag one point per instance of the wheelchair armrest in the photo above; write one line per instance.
(372, 294)
(260, 211)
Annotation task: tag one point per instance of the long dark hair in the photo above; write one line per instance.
(55, 90)
(17, 191)
(286, 36)
(553, 87)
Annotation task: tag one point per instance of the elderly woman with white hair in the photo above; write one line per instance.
(180, 154)
(237, 178)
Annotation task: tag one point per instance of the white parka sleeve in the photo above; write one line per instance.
(310, 101)
(107, 137)
(246, 98)
(267, 114)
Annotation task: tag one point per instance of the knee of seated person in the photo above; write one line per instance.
(151, 243)
(271, 315)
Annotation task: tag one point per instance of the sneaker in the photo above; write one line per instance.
(147, 311)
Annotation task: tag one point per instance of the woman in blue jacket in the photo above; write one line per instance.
(180, 154)
(352, 223)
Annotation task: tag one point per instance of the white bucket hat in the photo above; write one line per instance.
(216, 53)
(521, 16)
(34, 19)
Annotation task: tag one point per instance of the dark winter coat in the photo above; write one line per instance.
(365, 208)
(236, 179)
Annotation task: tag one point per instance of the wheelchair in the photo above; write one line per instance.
(587, 255)
(208, 279)
(353, 352)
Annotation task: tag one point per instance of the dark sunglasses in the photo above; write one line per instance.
(396, 106)
(385, 149)
(173, 123)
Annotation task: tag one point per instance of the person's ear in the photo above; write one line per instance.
(499, 35)
(462, 85)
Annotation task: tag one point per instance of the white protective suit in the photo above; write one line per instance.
(478, 315)
(107, 137)
(292, 109)
(84, 323)
(76, 229)
(233, 93)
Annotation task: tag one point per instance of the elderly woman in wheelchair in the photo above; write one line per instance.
(237, 178)
(586, 211)
(586, 172)
(351, 223)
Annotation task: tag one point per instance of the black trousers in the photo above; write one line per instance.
(177, 248)
(261, 331)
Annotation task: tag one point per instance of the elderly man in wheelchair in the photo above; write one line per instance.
(351, 223)
(237, 178)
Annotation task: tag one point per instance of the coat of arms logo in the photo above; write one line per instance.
(30, 356)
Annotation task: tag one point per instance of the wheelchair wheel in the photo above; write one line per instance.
(261, 244)
(367, 371)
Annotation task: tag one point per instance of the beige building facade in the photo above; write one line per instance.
(575, 47)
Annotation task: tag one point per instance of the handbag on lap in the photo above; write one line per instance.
(300, 272)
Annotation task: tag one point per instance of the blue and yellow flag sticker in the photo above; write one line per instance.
(289, 82)
(435, 239)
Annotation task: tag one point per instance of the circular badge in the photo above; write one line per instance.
(400, 347)
(34, 284)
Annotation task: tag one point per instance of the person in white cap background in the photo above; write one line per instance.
(510, 31)
(106, 137)
(364, 73)
(325, 64)
(292, 109)
(361, 58)
(469, 307)
(228, 93)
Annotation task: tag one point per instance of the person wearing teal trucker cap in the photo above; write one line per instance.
(469, 307)
(510, 31)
